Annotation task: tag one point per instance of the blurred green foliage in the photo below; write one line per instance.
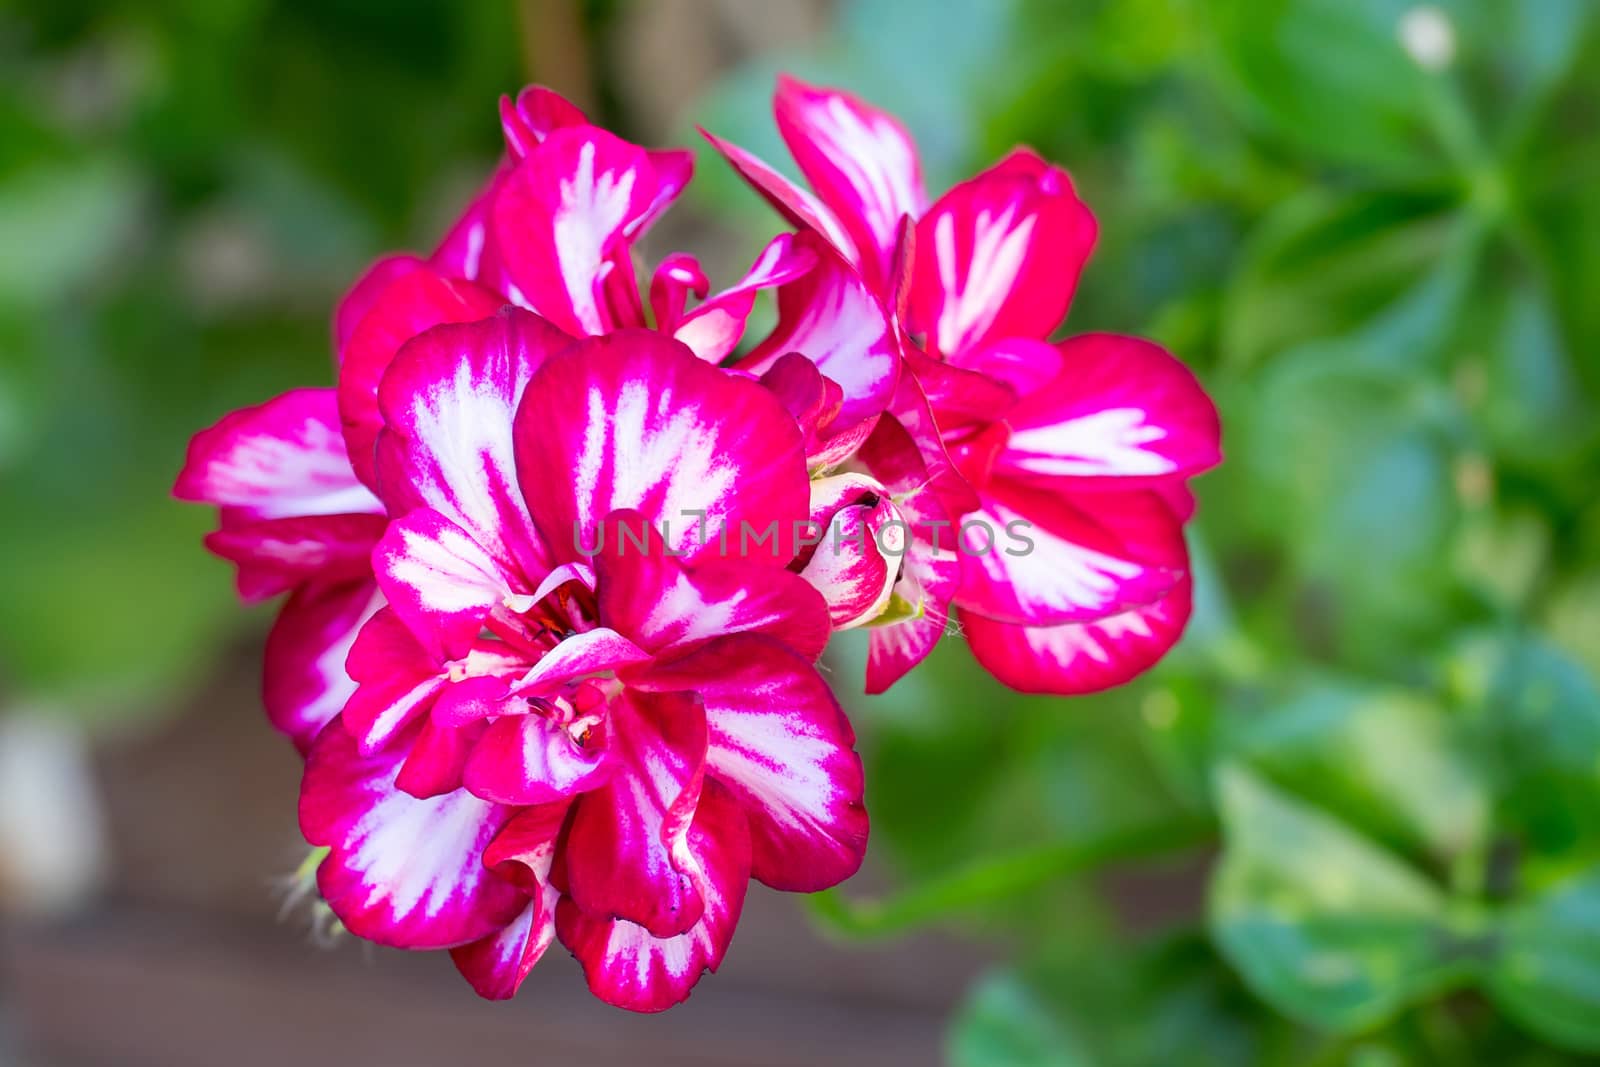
(1372, 769)
(1365, 790)
(184, 186)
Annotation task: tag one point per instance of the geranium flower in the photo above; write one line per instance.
(590, 710)
(1074, 456)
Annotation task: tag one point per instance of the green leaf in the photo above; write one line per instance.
(1539, 713)
(1004, 1023)
(1389, 762)
(1324, 924)
(1548, 973)
(1323, 267)
(1328, 77)
(1535, 408)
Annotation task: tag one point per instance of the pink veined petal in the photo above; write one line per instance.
(1039, 558)
(1085, 657)
(276, 555)
(1022, 364)
(779, 742)
(673, 167)
(522, 853)
(1179, 499)
(534, 115)
(713, 330)
(852, 572)
(815, 402)
(282, 458)
(531, 759)
(626, 850)
(574, 201)
(437, 760)
(913, 414)
(497, 965)
(448, 403)
(401, 871)
(661, 604)
(360, 297)
(929, 570)
(439, 581)
(792, 202)
(396, 681)
(676, 277)
(304, 684)
(957, 396)
(893, 649)
(634, 420)
(999, 256)
(626, 965)
(1122, 409)
(832, 318)
(413, 303)
(861, 162)
(592, 652)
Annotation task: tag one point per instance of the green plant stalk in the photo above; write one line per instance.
(1001, 877)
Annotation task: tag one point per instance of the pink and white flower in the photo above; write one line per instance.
(583, 715)
(1085, 446)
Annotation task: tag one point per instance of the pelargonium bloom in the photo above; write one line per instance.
(1079, 450)
(582, 716)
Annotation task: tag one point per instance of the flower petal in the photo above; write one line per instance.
(714, 329)
(861, 162)
(929, 569)
(1039, 558)
(448, 402)
(676, 277)
(531, 759)
(396, 681)
(521, 853)
(361, 296)
(779, 742)
(420, 299)
(534, 115)
(830, 316)
(659, 603)
(283, 458)
(572, 203)
(792, 202)
(625, 964)
(497, 965)
(304, 684)
(1122, 408)
(439, 581)
(999, 256)
(1077, 658)
(402, 872)
(276, 555)
(634, 420)
(625, 851)
(861, 537)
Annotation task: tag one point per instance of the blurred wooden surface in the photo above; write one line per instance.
(187, 962)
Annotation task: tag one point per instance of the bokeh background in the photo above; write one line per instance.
(1354, 819)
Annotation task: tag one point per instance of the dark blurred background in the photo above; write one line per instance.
(1355, 819)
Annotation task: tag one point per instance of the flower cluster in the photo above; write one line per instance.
(560, 560)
